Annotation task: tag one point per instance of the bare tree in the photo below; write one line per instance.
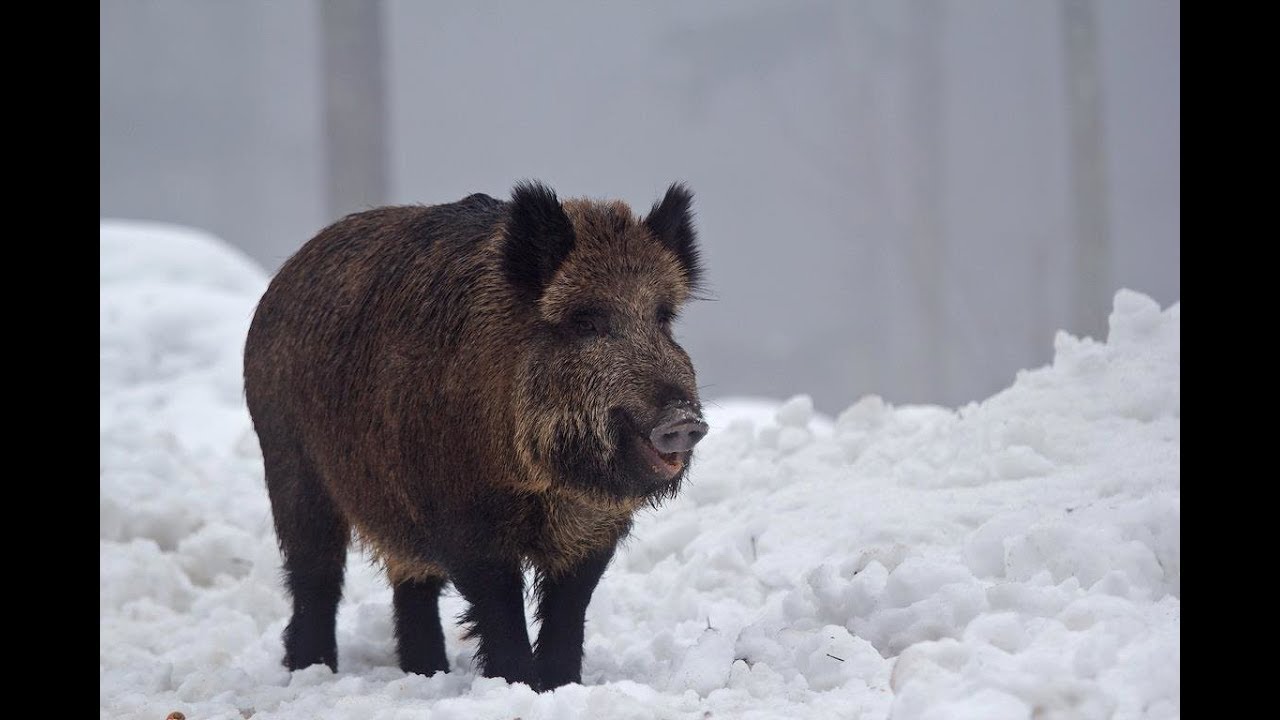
(355, 110)
(925, 174)
(1088, 163)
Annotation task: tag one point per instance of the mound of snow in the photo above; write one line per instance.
(1017, 558)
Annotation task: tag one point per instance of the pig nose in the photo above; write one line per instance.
(678, 430)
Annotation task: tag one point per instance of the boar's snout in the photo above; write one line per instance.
(678, 429)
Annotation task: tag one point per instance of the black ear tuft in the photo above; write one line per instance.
(539, 238)
(671, 221)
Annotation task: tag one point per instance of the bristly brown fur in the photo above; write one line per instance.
(463, 386)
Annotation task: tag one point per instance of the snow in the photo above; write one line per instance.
(1014, 558)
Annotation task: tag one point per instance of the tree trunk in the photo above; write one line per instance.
(1088, 166)
(355, 105)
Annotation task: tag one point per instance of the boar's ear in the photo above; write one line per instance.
(671, 221)
(539, 238)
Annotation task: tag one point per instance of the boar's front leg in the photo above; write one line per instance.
(563, 609)
(495, 590)
(419, 636)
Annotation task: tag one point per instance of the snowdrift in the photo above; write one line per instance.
(1014, 558)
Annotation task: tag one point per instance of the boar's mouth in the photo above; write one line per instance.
(634, 469)
(663, 466)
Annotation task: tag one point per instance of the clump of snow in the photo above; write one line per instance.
(1014, 558)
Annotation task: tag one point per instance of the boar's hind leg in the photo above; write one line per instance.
(495, 591)
(418, 633)
(563, 608)
(313, 539)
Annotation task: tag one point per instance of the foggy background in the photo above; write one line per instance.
(902, 198)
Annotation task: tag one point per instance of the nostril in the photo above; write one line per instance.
(697, 431)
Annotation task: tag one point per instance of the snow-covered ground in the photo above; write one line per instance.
(1015, 558)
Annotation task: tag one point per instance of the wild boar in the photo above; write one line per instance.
(473, 389)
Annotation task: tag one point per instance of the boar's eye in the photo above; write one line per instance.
(665, 315)
(589, 323)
